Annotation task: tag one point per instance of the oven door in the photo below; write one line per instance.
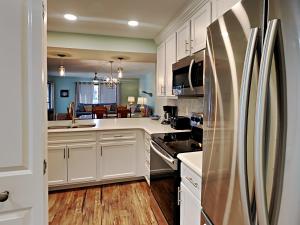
(164, 182)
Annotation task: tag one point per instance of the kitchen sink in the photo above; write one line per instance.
(70, 125)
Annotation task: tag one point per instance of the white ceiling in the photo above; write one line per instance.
(110, 17)
(87, 68)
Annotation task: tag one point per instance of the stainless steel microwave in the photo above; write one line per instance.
(188, 76)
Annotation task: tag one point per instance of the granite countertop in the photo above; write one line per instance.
(193, 160)
(146, 124)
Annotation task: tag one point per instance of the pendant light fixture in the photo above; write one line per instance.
(96, 80)
(120, 68)
(61, 68)
(111, 82)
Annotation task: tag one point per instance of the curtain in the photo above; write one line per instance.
(88, 93)
(84, 92)
(107, 95)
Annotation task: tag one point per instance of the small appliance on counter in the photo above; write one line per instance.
(181, 123)
(165, 167)
(170, 112)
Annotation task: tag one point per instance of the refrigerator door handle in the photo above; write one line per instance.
(272, 34)
(242, 137)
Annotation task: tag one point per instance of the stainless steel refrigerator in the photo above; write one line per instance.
(251, 161)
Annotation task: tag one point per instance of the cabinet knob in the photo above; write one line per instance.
(4, 196)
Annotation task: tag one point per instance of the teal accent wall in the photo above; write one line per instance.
(64, 83)
(128, 87)
(147, 83)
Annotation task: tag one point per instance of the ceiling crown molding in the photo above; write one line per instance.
(182, 17)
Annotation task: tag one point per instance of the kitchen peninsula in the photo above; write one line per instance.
(112, 150)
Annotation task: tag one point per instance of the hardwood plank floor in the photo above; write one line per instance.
(115, 204)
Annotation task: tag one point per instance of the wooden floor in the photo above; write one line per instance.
(117, 204)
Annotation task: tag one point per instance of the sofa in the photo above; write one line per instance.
(88, 109)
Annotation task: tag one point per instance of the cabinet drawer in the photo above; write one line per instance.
(71, 137)
(192, 180)
(117, 135)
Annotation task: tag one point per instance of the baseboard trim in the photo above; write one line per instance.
(93, 183)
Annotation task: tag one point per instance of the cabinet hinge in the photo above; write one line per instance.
(178, 196)
(45, 167)
(43, 13)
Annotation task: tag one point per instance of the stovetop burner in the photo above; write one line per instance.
(175, 143)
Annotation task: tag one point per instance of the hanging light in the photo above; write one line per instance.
(96, 79)
(61, 70)
(111, 82)
(120, 68)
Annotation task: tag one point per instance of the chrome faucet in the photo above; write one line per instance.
(72, 111)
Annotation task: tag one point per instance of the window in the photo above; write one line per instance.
(50, 95)
(88, 93)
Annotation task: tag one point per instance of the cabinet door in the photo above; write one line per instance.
(190, 207)
(118, 160)
(81, 162)
(183, 40)
(199, 23)
(170, 60)
(219, 7)
(161, 70)
(57, 165)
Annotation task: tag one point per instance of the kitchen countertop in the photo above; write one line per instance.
(193, 160)
(150, 126)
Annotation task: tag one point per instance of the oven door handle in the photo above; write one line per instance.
(190, 74)
(160, 154)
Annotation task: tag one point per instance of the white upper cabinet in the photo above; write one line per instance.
(161, 70)
(199, 23)
(170, 60)
(219, 7)
(184, 40)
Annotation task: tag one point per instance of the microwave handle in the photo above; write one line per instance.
(190, 74)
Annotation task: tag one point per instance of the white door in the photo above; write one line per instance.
(23, 113)
(190, 207)
(170, 60)
(199, 23)
(81, 162)
(57, 165)
(183, 41)
(161, 70)
(118, 160)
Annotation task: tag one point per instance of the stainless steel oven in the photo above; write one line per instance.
(188, 75)
(164, 182)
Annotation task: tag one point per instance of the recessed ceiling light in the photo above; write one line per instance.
(70, 17)
(133, 23)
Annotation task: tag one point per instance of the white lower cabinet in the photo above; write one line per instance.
(57, 165)
(81, 157)
(81, 162)
(190, 197)
(117, 160)
(190, 207)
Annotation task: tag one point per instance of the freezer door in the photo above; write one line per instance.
(227, 40)
(282, 129)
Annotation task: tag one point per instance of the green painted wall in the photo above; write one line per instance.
(128, 87)
(147, 83)
(99, 42)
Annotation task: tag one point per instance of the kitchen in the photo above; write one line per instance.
(242, 111)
